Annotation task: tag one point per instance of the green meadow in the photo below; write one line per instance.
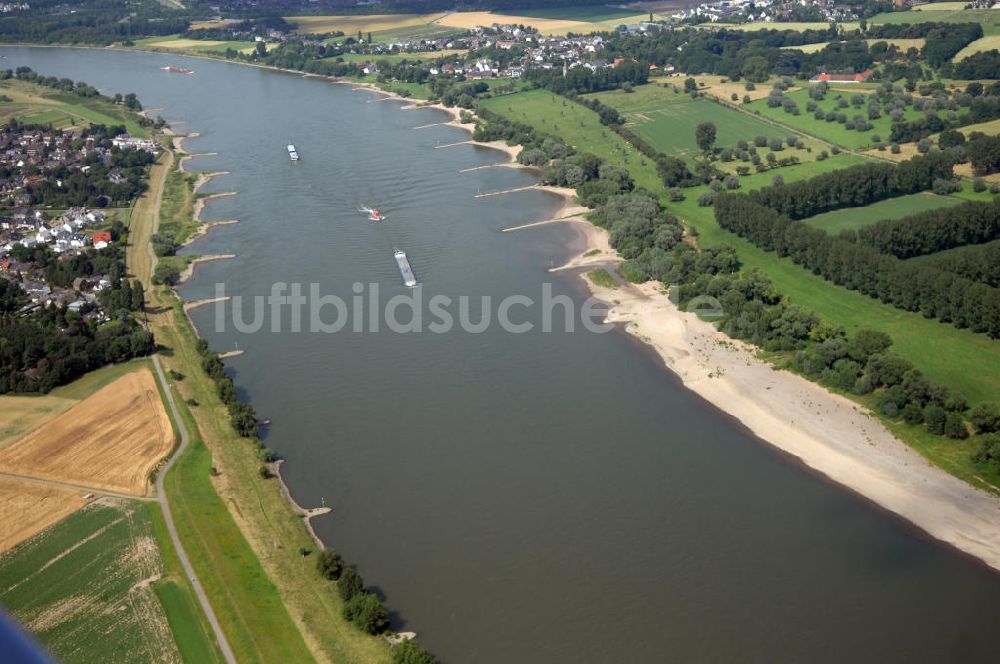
(578, 126)
(833, 131)
(667, 119)
(894, 208)
(988, 18)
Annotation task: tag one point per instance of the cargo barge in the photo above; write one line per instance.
(405, 271)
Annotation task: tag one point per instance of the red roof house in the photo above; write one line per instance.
(863, 77)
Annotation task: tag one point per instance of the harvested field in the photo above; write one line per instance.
(987, 43)
(27, 509)
(20, 414)
(111, 440)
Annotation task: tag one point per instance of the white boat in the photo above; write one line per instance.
(292, 154)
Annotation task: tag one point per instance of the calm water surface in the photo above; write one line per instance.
(518, 498)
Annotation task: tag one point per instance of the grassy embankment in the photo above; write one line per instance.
(242, 537)
(37, 104)
(578, 126)
(942, 352)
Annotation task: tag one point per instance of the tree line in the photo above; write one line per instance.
(931, 231)
(855, 186)
(856, 266)
(975, 262)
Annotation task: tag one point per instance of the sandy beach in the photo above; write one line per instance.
(829, 433)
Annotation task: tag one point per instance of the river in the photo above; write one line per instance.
(537, 497)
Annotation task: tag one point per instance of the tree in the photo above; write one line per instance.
(166, 273)
(985, 417)
(330, 564)
(935, 417)
(954, 426)
(690, 85)
(704, 136)
(367, 613)
(409, 652)
(350, 584)
(260, 48)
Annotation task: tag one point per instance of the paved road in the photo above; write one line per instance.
(168, 517)
(161, 494)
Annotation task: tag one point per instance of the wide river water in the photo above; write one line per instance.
(555, 498)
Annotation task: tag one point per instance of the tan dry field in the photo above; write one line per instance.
(27, 509)
(987, 43)
(714, 86)
(111, 440)
(902, 44)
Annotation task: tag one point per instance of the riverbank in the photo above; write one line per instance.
(827, 432)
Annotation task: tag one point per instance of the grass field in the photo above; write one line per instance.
(830, 131)
(177, 210)
(20, 414)
(668, 120)
(111, 440)
(350, 25)
(579, 126)
(988, 18)
(177, 43)
(894, 208)
(989, 43)
(38, 104)
(83, 587)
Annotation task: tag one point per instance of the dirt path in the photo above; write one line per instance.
(75, 487)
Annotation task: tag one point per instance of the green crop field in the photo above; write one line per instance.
(988, 18)
(833, 132)
(668, 120)
(576, 125)
(83, 587)
(894, 208)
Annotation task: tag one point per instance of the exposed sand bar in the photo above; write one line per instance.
(189, 270)
(828, 432)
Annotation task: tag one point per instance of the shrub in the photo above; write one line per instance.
(985, 418)
(706, 198)
(895, 149)
(778, 180)
(954, 426)
(676, 194)
(934, 416)
(409, 652)
(732, 182)
(329, 564)
(979, 185)
(367, 613)
(349, 584)
(760, 141)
